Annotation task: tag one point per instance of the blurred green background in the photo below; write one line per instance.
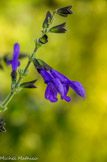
(66, 132)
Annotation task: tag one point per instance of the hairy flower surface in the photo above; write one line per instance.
(14, 62)
(58, 83)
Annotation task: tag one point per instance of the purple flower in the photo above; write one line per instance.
(58, 83)
(14, 62)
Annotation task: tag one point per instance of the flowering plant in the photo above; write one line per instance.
(56, 82)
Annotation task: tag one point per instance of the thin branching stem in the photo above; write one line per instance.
(3, 104)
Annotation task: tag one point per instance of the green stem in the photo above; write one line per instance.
(17, 85)
(7, 100)
(12, 93)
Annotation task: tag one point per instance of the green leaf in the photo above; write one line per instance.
(29, 84)
(1, 66)
(22, 55)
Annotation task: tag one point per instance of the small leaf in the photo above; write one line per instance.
(29, 84)
(43, 39)
(47, 20)
(1, 67)
(5, 58)
(58, 29)
(20, 71)
(22, 55)
(37, 43)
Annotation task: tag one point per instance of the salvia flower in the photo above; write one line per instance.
(14, 62)
(58, 83)
(64, 11)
